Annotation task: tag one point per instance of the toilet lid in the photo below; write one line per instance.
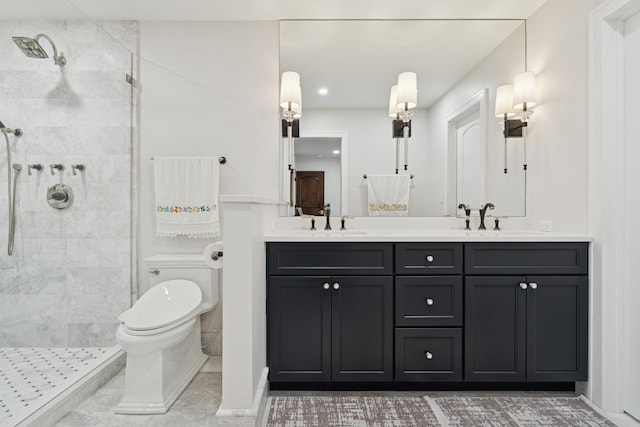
(165, 303)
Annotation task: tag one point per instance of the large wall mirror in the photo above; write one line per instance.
(456, 149)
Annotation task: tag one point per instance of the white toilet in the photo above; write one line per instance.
(161, 332)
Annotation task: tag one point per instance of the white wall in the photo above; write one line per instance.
(557, 180)
(207, 89)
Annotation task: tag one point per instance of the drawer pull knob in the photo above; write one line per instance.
(326, 286)
(428, 355)
(523, 285)
(533, 285)
(429, 258)
(429, 301)
(336, 286)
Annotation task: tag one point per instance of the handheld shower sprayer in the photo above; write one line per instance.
(6, 130)
(11, 190)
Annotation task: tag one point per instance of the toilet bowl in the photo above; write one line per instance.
(161, 333)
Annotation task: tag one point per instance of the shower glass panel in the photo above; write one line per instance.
(70, 275)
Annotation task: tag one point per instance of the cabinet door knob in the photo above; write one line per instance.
(155, 272)
(429, 258)
(523, 285)
(326, 286)
(429, 301)
(336, 286)
(428, 355)
(533, 285)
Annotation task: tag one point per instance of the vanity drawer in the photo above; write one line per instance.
(428, 258)
(526, 258)
(330, 258)
(428, 354)
(429, 301)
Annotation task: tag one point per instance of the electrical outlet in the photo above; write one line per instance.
(544, 225)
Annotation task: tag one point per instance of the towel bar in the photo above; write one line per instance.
(222, 160)
(410, 176)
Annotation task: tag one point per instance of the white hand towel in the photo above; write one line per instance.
(187, 190)
(389, 195)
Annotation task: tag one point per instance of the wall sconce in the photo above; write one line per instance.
(406, 100)
(291, 103)
(516, 100)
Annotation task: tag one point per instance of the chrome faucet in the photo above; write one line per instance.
(467, 212)
(483, 211)
(327, 215)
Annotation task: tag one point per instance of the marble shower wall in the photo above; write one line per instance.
(70, 275)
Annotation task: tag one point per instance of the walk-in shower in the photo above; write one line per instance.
(11, 190)
(71, 273)
(33, 49)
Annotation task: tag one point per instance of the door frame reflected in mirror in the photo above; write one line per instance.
(479, 103)
(343, 135)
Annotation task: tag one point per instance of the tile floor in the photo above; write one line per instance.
(199, 403)
(31, 377)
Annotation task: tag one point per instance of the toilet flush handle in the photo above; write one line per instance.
(156, 272)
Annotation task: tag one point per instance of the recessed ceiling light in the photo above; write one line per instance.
(323, 91)
(336, 151)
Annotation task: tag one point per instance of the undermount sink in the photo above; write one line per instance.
(329, 233)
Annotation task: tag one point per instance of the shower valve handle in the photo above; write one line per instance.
(79, 167)
(36, 166)
(58, 166)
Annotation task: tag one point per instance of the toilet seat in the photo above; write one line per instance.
(164, 306)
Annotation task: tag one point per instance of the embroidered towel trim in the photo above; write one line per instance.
(389, 195)
(187, 190)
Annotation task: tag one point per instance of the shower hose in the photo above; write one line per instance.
(11, 196)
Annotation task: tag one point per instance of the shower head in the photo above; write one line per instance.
(33, 49)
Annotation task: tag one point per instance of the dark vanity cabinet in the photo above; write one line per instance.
(429, 312)
(333, 327)
(530, 327)
(432, 312)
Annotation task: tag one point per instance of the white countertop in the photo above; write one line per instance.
(422, 235)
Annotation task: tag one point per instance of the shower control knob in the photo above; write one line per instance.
(60, 196)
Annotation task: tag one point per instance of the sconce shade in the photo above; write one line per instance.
(290, 91)
(393, 104)
(407, 90)
(504, 101)
(524, 90)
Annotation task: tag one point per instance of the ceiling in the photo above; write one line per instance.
(233, 10)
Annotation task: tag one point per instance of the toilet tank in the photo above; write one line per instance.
(189, 267)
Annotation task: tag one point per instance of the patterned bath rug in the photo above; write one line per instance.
(516, 412)
(349, 411)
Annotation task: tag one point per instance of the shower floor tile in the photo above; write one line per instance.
(31, 377)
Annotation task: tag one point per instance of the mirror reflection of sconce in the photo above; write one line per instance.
(515, 101)
(291, 103)
(403, 98)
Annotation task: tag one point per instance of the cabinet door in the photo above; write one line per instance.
(495, 328)
(299, 325)
(557, 328)
(362, 328)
